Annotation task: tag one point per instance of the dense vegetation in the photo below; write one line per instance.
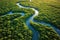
(49, 10)
(45, 32)
(13, 26)
(6, 6)
(10, 5)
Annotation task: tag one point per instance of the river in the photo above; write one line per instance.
(35, 33)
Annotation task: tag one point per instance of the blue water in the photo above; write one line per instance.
(47, 24)
(9, 13)
(22, 14)
(35, 33)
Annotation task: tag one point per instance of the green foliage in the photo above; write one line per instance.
(6, 6)
(12, 27)
(45, 32)
(49, 10)
(10, 5)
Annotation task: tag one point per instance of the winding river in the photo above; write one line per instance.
(35, 33)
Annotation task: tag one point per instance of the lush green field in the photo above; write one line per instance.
(13, 26)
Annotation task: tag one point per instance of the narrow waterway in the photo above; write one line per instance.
(31, 18)
(35, 33)
(47, 24)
